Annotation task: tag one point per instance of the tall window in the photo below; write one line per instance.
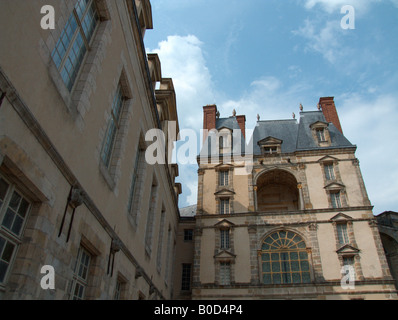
(139, 158)
(113, 127)
(14, 209)
(74, 41)
(186, 276)
(80, 277)
(284, 259)
(329, 172)
(225, 273)
(342, 233)
(335, 199)
(320, 133)
(151, 217)
(224, 239)
(349, 268)
(223, 178)
(224, 206)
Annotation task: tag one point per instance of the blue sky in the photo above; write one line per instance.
(268, 56)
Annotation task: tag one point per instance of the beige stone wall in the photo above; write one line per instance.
(51, 139)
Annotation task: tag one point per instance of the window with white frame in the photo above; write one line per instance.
(224, 205)
(329, 171)
(225, 273)
(223, 178)
(113, 127)
(335, 198)
(74, 42)
(349, 267)
(342, 233)
(14, 209)
(80, 276)
(224, 239)
(320, 134)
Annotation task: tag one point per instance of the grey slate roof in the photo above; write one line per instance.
(295, 135)
(189, 211)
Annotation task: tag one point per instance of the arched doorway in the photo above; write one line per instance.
(277, 191)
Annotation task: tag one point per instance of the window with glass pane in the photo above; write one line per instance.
(223, 177)
(225, 273)
(73, 43)
(81, 274)
(113, 127)
(140, 156)
(320, 133)
(224, 206)
(335, 198)
(342, 233)
(6, 253)
(186, 277)
(349, 268)
(329, 172)
(3, 191)
(284, 259)
(224, 237)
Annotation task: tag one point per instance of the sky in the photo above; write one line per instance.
(267, 56)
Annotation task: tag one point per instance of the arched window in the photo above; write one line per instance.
(284, 259)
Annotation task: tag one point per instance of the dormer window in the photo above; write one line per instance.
(320, 133)
(270, 146)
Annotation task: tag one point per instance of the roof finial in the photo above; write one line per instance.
(218, 114)
(234, 113)
(301, 107)
(319, 106)
(294, 115)
(258, 117)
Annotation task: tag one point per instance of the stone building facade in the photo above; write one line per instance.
(76, 193)
(289, 218)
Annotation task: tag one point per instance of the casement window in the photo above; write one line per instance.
(225, 273)
(14, 209)
(335, 199)
(349, 268)
(270, 150)
(224, 178)
(224, 239)
(329, 172)
(113, 127)
(186, 277)
(81, 273)
(139, 158)
(320, 134)
(342, 233)
(224, 205)
(188, 235)
(74, 42)
(151, 216)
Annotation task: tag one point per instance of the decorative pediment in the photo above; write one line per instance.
(328, 159)
(223, 166)
(269, 141)
(224, 192)
(340, 217)
(319, 124)
(225, 256)
(224, 224)
(334, 186)
(347, 250)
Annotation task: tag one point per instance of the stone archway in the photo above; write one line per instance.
(277, 191)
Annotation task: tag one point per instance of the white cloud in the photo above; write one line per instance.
(326, 41)
(371, 125)
(335, 5)
(182, 59)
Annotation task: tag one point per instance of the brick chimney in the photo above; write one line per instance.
(209, 118)
(330, 112)
(242, 124)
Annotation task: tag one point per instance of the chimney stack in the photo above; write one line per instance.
(242, 124)
(209, 118)
(330, 112)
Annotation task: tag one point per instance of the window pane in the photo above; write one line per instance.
(267, 278)
(8, 219)
(7, 252)
(3, 270)
(3, 190)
